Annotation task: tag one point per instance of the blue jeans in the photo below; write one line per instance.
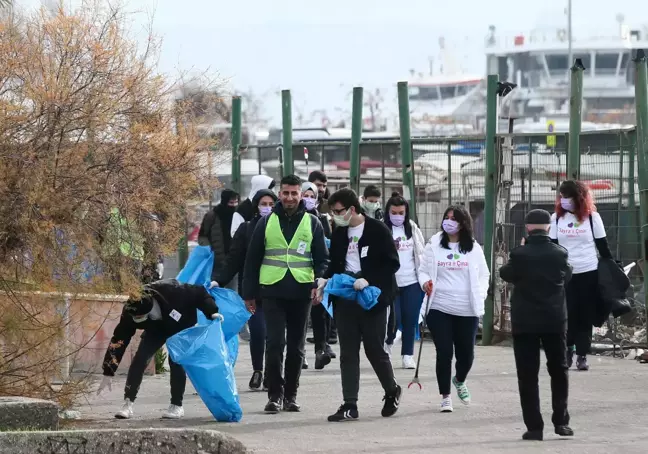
(257, 337)
(453, 336)
(407, 308)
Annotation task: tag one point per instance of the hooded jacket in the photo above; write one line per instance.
(215, 228)
(178, 304)
(288, 288)
(236, 258)
(246, 211)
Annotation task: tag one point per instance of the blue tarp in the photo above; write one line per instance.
(341, 285)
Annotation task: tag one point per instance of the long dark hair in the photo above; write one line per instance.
(397, 200)
(466, 240)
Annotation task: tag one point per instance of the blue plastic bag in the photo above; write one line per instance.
(327, 242)
(233, 309)
(203, 353)
(341, 285)
(198, 268)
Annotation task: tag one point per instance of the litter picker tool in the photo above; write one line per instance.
(415, 380)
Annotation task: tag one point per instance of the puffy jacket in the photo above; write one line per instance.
(539, 271)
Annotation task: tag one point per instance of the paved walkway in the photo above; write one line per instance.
(609, 408)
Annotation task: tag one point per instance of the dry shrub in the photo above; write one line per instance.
(92, 142)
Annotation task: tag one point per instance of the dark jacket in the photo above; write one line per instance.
(171, 295)
(539, 271)
(236, 257)
(215, 232)
(246, 210)
(380, 264)
(288, 287)
(326, 226)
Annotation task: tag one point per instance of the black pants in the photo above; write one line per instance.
(321, 326)
(257, 337)
(527, 361)
(151, 342)
(286, 322)
(582, 296)
(452, 336)
(355, 325)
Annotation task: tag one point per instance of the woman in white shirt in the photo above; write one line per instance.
(577, 227)
(409, 243)
(455, 275)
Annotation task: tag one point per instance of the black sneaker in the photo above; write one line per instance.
(532, 435)
(564, 431)
(273, 406)
(256, 381)
(305, 364)
(329, 351)
(321, 360)
(570, 357)
(346, 412)
(291, 405)
(391, 402)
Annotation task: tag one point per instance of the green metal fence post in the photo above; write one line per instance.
(575, 119)
(356, 137)
(489, 201)
(286, 113)
(449, 173)
(407, 155)
(641, 100)
(236, 143)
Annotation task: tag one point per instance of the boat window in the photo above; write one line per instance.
(423, 93)
(606, 64)
(463, 89)
(624, 61)
(448, 91)
(557, 64)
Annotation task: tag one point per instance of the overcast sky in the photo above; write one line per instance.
(320, 49)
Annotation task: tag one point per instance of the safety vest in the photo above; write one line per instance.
(281, 256)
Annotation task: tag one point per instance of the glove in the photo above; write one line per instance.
(218, 317)
(213, 284)
(106, 382)
(360, 284)
(321, 283)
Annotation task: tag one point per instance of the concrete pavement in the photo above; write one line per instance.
(608, 405)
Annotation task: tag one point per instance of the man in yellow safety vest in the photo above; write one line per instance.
(286, 254)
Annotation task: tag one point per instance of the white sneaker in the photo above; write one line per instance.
(408, 362)
(446, 405)
(388, 349)
(173, 412)
(126, 411)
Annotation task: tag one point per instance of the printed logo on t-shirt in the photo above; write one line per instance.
(453, 262)
(573, 230)
(402, 244)
(353, 244)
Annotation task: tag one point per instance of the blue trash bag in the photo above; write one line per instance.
(198, 268)
(341, 285)
(233, 309)
(202, 351)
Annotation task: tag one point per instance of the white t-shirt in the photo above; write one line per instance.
(452, 287)
(353, 254)
(406, 274)
(576, 236)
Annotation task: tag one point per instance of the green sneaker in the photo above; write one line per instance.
(462, 391)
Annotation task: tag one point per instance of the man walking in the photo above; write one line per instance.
(285, 255)
(539, 270)
(164, 309)
(363, 248)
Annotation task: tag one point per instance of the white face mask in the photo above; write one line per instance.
(371, 207)
(342, 220)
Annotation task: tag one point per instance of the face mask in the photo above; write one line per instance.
(450, 227)
(310, 203)
(371, 207)
(567, 204)
(265, 211)
(397, 219)
(342, 220)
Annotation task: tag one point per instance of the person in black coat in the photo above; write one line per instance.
(164, 309)
(286, 302)
(540, 271)
(363, 248)
(263, 203)
(215, 228)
